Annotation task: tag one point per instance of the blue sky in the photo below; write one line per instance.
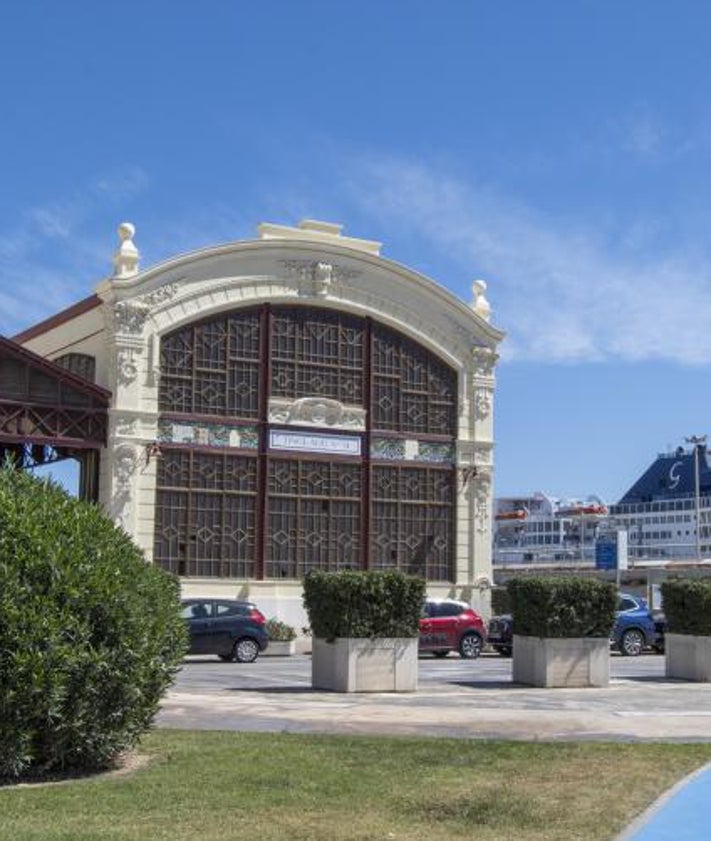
(559, 150)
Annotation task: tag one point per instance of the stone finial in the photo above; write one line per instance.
(126, 256)
(479, 303)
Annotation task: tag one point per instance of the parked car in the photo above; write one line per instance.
(500, 636)
(234, 630)
(636, 628)
(448, 625)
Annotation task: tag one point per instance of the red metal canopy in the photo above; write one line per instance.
(42, 405)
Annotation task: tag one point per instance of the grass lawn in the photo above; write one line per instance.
(265, 787)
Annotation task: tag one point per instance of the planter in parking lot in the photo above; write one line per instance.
(563, 628)
(280, 648)
(365, 630)
(549, 662)
(688, 657)
(364, 665)
(282, 639)
(687, 650)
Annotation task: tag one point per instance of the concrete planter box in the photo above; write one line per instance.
(279, 648)
(541, 661)
(364, 665)
(688, 657)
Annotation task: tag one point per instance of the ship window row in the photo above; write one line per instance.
(667, 505)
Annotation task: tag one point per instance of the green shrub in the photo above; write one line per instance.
(500, 601)
(562, 607)
(90, 634)
(687, 606)
(363, 604)
(280, 631)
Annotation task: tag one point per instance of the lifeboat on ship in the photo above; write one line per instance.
(588, 510)
(516, 514)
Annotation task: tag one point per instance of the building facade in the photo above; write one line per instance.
(289, 403)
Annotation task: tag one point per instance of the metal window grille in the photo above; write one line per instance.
(313, 509)
(206, 513)
(313, 517)
(412, 520)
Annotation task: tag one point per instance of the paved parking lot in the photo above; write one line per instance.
(473, 698)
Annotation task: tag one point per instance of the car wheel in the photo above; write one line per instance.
(440, 653)
(632, 643)
(470, 646)
(245, 650)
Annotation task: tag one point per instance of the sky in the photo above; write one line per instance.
(558, 150)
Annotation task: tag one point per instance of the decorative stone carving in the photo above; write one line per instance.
(319, 276)
(129, 317)
(482, 498)
(159, 296)
(483, 457)
(483, 400)
(125, 465)
(484, 361)
(126, 368)
(479, 303)
(316, 411)
(126, 256)
(126, 425)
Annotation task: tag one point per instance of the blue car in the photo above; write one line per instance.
(636, 627)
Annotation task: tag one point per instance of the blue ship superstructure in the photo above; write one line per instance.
(660, 510)
(672, 477)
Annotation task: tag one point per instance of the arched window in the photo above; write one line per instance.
(295, 438)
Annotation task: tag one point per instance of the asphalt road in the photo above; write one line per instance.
(459, 698)
(209, 674)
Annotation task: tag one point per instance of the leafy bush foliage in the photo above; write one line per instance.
(90, 634)
(500, 601)
(687, 606)
(280, 631)
(563, 607)
(363, 605)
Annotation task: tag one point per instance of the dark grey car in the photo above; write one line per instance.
(234, 630)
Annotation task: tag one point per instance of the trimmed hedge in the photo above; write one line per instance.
(90, 634)
(363, 605)
(562, 607)
(500, 601)
(687, 606)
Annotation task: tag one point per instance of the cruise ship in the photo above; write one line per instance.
(659, 512)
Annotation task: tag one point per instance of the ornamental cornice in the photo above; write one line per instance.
(318, 277)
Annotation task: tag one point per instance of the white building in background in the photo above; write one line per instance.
(287, 403)
(544, 529)
(660, 513)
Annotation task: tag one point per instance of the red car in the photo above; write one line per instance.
(449, 625)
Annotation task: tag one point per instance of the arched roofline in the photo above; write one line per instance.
(170, 271)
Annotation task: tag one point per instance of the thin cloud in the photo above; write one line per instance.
(47, 256)
(563, 293)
